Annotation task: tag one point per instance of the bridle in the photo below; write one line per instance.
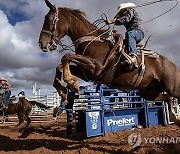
(52, 32)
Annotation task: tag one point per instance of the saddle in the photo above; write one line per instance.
(114, 58)
(114, 40)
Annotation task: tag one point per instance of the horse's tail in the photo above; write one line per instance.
(39, 105)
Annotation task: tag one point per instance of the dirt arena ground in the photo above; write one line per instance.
(51, 137)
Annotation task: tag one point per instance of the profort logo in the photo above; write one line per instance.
(121, 122)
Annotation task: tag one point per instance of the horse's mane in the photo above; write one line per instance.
(76, 13)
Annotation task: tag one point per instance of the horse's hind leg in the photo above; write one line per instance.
(171, 79)
(28, 122)
(151, 94)
(21, 119)
(58, 84)
(26, 115)
(167, 98)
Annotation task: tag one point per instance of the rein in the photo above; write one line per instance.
(52, 33)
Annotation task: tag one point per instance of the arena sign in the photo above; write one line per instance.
(116, 123)
(121, 122)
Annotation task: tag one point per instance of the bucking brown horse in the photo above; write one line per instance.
(22, 108)
(92, 62)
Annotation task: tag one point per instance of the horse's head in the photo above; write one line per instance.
(50, 35)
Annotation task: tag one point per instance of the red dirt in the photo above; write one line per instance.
(51, 138)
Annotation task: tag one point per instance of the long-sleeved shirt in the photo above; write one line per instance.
(130, 20)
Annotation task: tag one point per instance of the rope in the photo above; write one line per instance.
(158, 1)
(95, 39)
(96, 23)
(104, 18)
(150, 3)
(65, 47)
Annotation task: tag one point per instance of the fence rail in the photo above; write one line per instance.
(51, 100)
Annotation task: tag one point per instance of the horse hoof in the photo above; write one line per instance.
(177, 122)
(21, 130)
(172, 117)
(55, 119)
(76, 90)
(76, 86)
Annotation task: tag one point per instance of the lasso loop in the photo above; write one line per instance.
(158, 1)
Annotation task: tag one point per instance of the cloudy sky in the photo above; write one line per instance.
(23, 63)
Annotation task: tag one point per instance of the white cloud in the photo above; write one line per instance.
(21, 60)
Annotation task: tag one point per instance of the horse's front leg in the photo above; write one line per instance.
(93, 66)
(58, 85)
(70, 79)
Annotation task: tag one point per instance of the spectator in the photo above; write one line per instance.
(5, 91)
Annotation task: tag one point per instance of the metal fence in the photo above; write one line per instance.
(51, 100)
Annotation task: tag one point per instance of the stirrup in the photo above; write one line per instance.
(131, 64)
(134, 61)
(136, 65)
(125, 63)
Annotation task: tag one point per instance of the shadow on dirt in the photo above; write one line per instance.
(53, 137)
(8, 144)
(52, 132)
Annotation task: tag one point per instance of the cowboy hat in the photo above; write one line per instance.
(3, 79)
(124, 6)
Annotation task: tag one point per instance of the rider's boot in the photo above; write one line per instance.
(132, 64)
(134, 61)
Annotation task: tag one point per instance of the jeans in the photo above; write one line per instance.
(69, 113)
(6, 98)
(132, 38)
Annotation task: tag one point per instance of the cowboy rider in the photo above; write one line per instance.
(5, 90)
(129, 17)
(69, 110)
(67, 105)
